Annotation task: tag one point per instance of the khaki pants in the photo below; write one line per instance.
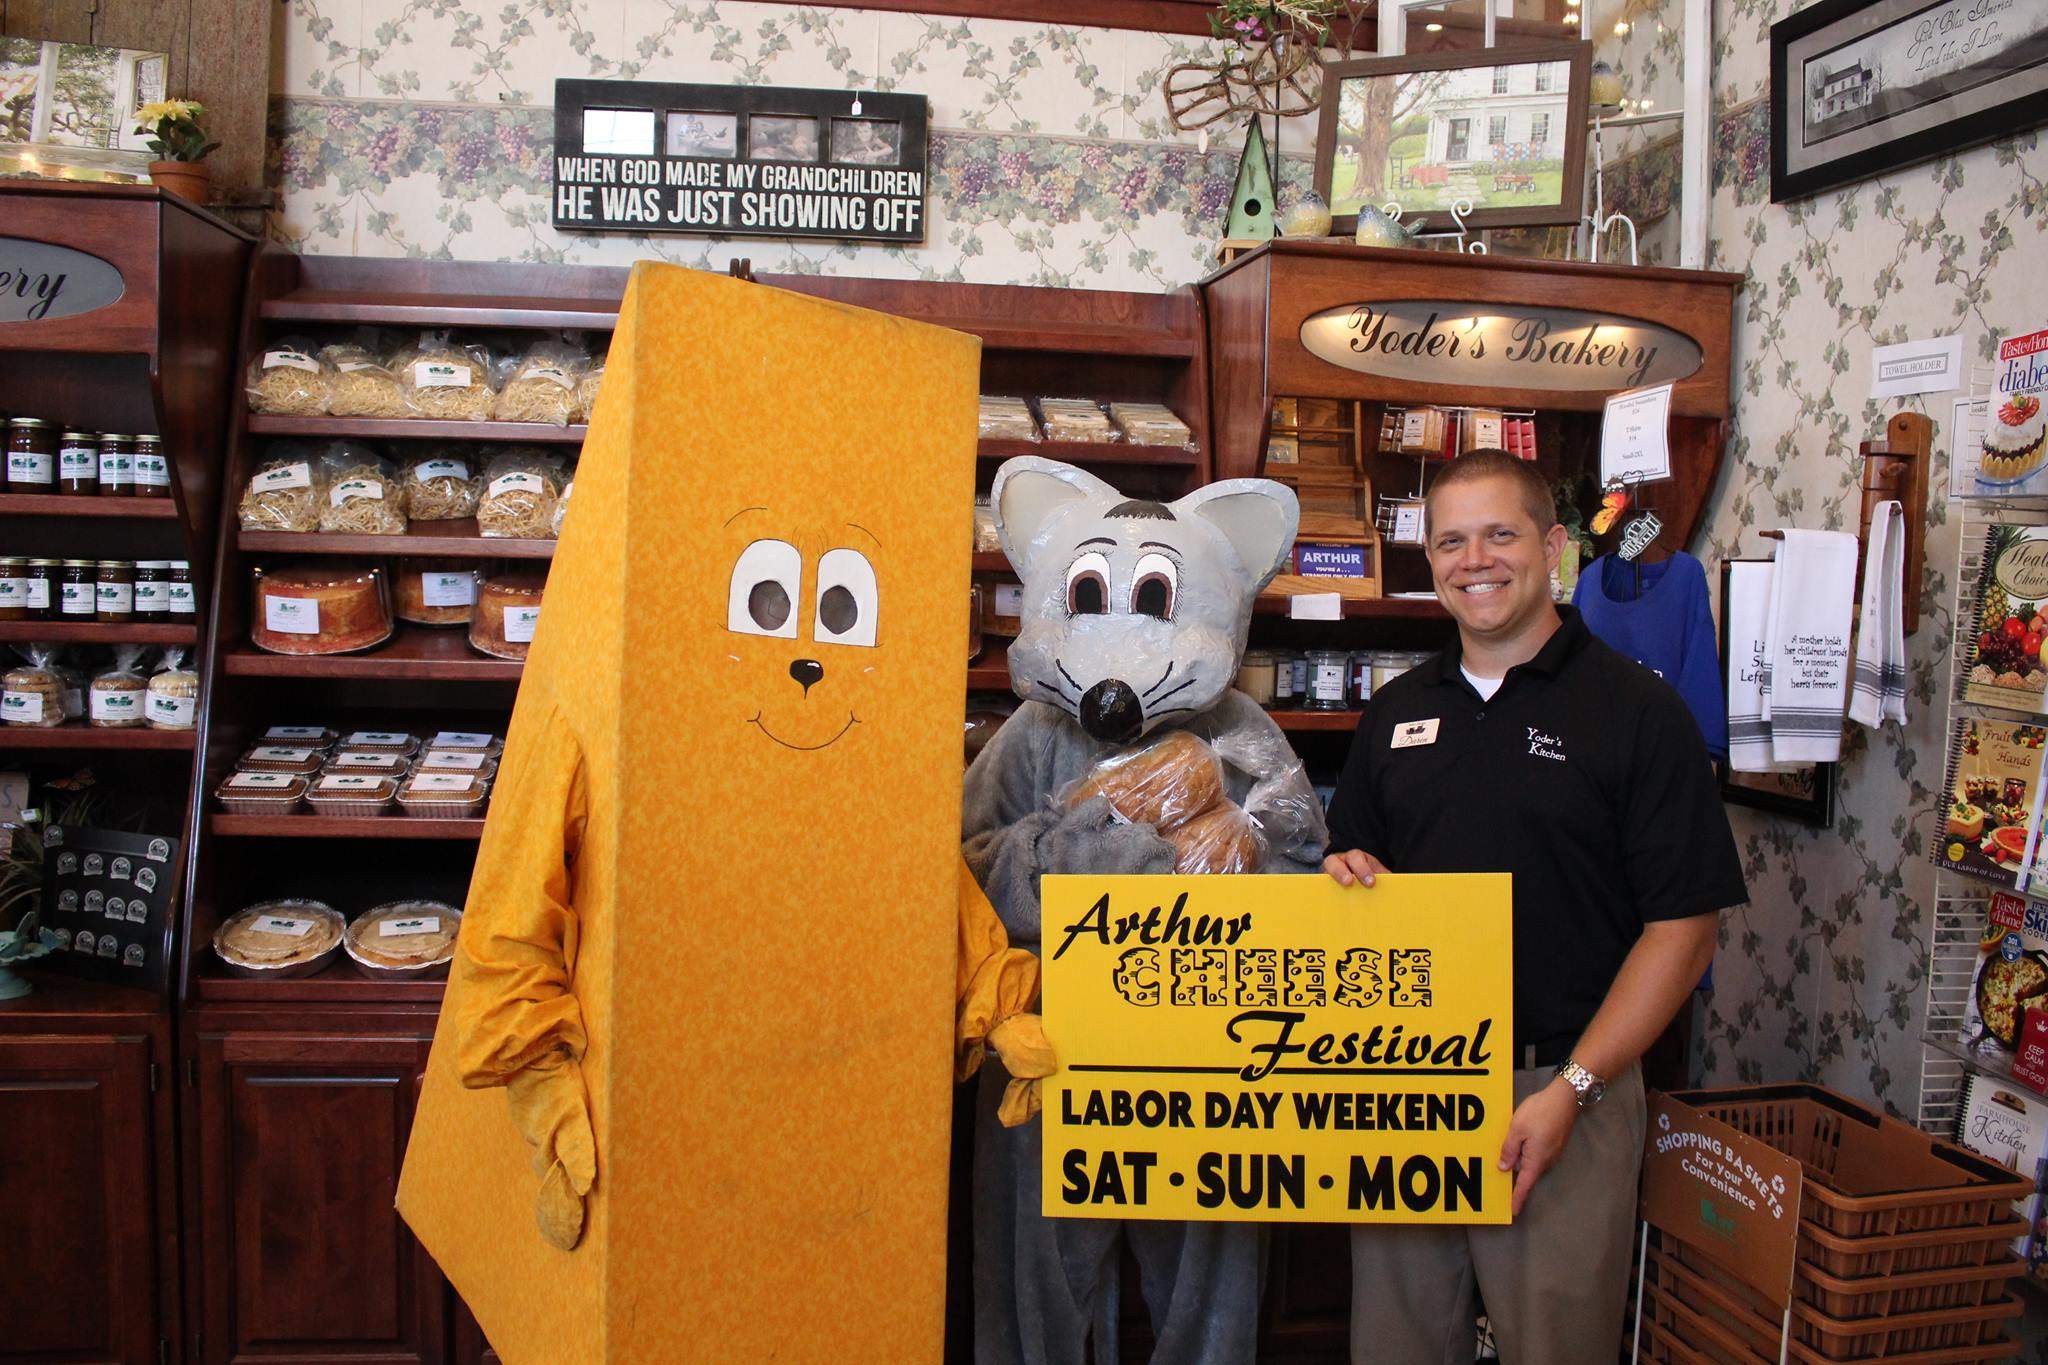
(1555, 1281)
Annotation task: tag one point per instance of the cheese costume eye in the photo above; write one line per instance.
(1155, 587)
(1088, 585)
(765, 580)
(847, 599)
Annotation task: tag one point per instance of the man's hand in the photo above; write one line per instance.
(1536, 1138)
(1355, 866)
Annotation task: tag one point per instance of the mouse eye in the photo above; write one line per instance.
(762, 598)
(1088, 585)
(1155, 587)
(847, 599)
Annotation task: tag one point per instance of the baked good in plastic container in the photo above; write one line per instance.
(288, 378)
(521, 486)
(280, 758)
(1075, 419)
(468, 762)
(477, 741)
(345, 762)
(364, 496)
(400, 742)
(434, 592)
(404, 940)
(303, 736)
(261, 793)
(1007, 419)
(440, 484)
(1221, 839)
(284, 491)
(33, 694)
(445, 382)
(328, 608)
(351, 794)
(443, 796)
(1162, 783)
(507, 613)
(1151, 424)
(542, 384)
(363, 383)
(279, 939)
(171, 701)
(115, 699)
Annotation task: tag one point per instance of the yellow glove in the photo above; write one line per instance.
(549, 1106)
(1020, 1041)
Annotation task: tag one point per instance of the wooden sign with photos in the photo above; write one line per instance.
(107, 895)
(739, 161)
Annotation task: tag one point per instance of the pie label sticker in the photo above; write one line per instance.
(442, 782)
(278, 924)
(406, 928)
(1410, 734)
(461, 739)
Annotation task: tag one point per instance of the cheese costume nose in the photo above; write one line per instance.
(806, 672)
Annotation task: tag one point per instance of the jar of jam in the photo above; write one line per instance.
(13, 589)
(1361, 677)
(184, 606)
(78, 463)
(152, 589)
(1284, 695)
(31, 456)
(114, 590)
(1327, 674)
(152, 468)
(117, 466)
(44, 582)
(78, 589)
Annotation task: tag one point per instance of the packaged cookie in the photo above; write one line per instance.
(288, 378)
(116, 700)
(33, 694)
(542, 385)
(1151, 424)
(363, 494)
(363, 383)
(1007, 419)
(284, 492)
(446, 382)
(1075, 419)
(521, 486)
(441, 484)
(171, 701)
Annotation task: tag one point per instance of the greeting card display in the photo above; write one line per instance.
(1990, 824)
(107, 895)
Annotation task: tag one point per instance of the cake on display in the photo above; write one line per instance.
(2013, 447)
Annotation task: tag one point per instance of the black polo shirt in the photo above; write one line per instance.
(1584, 777)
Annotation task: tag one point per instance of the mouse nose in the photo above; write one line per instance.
(1111, 712)
(806, 672)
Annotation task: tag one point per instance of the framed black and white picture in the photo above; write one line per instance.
(1861, 87)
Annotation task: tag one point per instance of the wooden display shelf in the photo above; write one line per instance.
(338, 983)
(84, 505)
(1366, 608)
(1308, 721)
(80, 736)
(97, 633)
(1094, 452)
(991, 672)
(420, 653)
(440, 310)
(414, 429)
(993, 561)
(456, 539)
(342, 827)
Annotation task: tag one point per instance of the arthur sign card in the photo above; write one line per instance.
(1278, 1049)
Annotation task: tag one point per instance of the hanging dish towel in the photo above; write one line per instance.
(1749, 649)
(1878, 685)
(1807, 688)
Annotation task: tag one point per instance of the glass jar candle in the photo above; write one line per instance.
(13, 589)
(1387, 666)
(152, 468)
(78, 589)
(1255, 676)
(1361, 677)
(114, 590)
(1284, 695)
(31, 456)
(117, 466)
(152, 590)
(1327, 672)
(78, 463)
(43, 584)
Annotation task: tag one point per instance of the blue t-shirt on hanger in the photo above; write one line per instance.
(1666, 625)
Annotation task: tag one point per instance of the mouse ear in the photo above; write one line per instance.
(1257, 516)
(1028, 490)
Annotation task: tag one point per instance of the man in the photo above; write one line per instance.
(1530, 747)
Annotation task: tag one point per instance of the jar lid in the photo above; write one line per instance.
(29, 422)
(1258, 656)
(12, 559)
(148, 440)
(81, 436)
(81, 563)
(43, 563)
(107, 436)
(179, 565)
(117, 563)
(152, 563)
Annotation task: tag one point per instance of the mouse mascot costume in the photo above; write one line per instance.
(689, 1095)
(1131, 753)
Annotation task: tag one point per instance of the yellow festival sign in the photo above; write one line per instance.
(1278, 1049)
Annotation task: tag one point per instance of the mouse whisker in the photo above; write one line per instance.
(1162, 678)
(1185, 684)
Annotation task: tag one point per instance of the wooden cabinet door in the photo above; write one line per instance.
(301, 1255)
(78, 1278)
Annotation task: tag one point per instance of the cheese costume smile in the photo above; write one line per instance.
(721, 957)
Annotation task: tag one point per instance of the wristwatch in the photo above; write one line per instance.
(1588, 1087)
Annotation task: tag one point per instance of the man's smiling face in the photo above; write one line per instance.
(1490, 561)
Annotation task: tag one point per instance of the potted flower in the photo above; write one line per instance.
(176, 138)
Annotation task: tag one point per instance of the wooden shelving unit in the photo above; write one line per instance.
(58, 505)
(415, 653)
(342, 827)
(77, 736)
(97, 633)
(451, 539)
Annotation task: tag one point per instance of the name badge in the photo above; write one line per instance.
(1415, 732)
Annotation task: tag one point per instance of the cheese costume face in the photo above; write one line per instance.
(702, 1019)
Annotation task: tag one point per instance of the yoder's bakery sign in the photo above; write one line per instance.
(1499, 346)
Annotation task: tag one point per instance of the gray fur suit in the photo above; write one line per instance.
(1134, 618)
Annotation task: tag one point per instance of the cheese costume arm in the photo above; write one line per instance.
(997, 984)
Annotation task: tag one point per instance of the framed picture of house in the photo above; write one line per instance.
(1501, 127)
(1861, 87)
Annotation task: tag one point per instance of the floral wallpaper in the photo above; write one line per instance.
(423, 127)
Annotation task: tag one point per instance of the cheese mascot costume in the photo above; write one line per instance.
(689, 1095)
(1134, 619)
